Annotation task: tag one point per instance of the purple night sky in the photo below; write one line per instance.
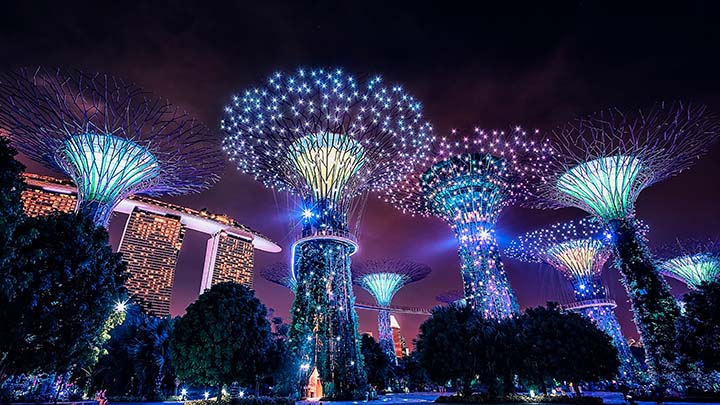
(484, 67)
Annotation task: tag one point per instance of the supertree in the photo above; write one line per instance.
(579, 250)
(602, 164)
(692, 262)
(468, 182)
(280, 274)
(112, 138)
(329, 139)
(452, 297)
(383, 279)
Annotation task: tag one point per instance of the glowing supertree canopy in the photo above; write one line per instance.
(604, 161)
(280, 274)
(383, 279)
(693, 263)
(579, 250)
(112, 138)
(602, 164)
(328, 138)
(468, 183)
(451, 297)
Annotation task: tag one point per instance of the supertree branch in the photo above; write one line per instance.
(468, 181)
(692, 262)
(383, 279)
(280, 274)
(112, 138)
(579, 250)
(329, 139)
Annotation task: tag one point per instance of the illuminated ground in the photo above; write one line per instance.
(612, 398)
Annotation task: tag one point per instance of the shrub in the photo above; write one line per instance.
(245, 401)
(518, 398)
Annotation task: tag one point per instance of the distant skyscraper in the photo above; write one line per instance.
(398, 340)
(40, 199)
(150, 245)
(228, 258)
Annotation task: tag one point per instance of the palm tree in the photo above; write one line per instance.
(150, 352)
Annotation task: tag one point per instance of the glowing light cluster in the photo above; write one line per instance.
(468, 182)
(383, 279)
(578, 249)
(695, 263)
(112, 138)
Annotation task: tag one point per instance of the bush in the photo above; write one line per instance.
(245, 401)
(518, 398)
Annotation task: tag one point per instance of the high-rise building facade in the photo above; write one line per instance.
(150, 245)
(228, 258)
(41, 198)
(401, 348)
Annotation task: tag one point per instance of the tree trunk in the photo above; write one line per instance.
(158, 383)
(543, 386)
(655, 310)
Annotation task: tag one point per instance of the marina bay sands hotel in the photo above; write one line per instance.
(152, 239)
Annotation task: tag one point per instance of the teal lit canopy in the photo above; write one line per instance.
(384, 278)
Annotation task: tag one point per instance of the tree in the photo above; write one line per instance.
(378, 366)
(70, 281)
(115, 371)
(11, 207)
(150, 353)
(410, 374)
(224, 337)
(564, 346)
(699, 329)
(284, 372)
(457, 343)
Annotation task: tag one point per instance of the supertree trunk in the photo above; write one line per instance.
(604, 317)
(324, 324)
(98, 212)
(485, 283)
(655, 310)
(385, 336)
